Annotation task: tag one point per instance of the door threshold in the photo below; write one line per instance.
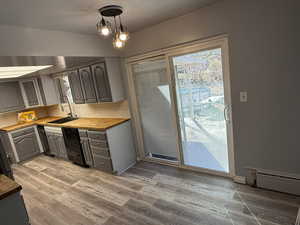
(206, 171)
(161, 161)
(188, 168)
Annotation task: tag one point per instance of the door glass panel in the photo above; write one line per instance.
(154, 102)
(200, 98)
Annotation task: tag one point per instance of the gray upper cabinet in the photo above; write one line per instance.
(87, 84)
(96, 83)
(43, 96)
(11, 97)
(61, 90)
(114, 78)
(48, 91)
(30, 92)
(75, 86)
(101, 83)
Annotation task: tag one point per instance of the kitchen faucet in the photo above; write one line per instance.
(71, 113)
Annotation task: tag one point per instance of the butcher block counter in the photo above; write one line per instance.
(82, 123)
(8, 187)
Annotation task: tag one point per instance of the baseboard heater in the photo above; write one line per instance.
(277, 181)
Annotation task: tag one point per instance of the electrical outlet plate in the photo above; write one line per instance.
(243, 96)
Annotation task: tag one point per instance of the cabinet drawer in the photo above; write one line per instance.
(103, 163)
(82, 133)
(100, 151)
(98, 144)
(98, 135)
(17, 133)
(22, 132)
(28, 130)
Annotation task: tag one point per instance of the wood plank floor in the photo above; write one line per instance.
(57, 192)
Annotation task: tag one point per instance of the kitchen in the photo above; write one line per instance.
(48, 121)
(156, 113)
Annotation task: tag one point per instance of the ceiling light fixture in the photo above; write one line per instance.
(121, 35)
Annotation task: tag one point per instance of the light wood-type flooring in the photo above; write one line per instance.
(57, 192)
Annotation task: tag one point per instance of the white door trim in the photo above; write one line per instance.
(167, 53)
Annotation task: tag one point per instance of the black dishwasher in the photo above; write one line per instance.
(73, 145)
(44, 139)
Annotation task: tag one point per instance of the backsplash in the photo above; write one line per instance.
(102, 110)
(11, 118)
(108, 110)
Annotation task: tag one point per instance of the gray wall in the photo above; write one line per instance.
(264, 54)
(21, 41)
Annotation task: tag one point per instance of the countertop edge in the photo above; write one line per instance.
(10, 191)
(41, 122)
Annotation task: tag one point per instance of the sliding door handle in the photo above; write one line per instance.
(227, 116)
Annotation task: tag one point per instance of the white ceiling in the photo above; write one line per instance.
(81, 15)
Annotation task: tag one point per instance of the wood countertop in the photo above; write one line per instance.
(83, 123)
(8, 187)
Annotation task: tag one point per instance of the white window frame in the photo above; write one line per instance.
(195, 46)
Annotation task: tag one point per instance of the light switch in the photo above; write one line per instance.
(243, 96)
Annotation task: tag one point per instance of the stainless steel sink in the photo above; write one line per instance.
(63, 120)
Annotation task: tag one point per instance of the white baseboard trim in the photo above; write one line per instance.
(239, 179)
(298, 218)
(122, 171)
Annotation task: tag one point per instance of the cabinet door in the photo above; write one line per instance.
(31, 93)
(75, 86)
(60, 143)
(87, 84)
(52, 144)
(101, 83)
(61, 92)
(26, 146)
(102, 163)
(11, 97)
(86, 151)
(43, 96)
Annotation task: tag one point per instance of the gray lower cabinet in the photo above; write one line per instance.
(62, 151)
(57, 145)
(87, 84)
(75, 86)
(26, 143)
(111, 150)
(52, 144)
(11, 97)
(101, 82)
(95, 150)
(103, 163)
(87, 151)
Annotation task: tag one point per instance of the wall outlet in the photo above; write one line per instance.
(243, 96)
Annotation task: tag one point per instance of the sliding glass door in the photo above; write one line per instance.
(202, 110)
(153, 98)
(181, 106)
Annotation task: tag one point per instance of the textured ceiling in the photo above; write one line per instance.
(81, 15)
